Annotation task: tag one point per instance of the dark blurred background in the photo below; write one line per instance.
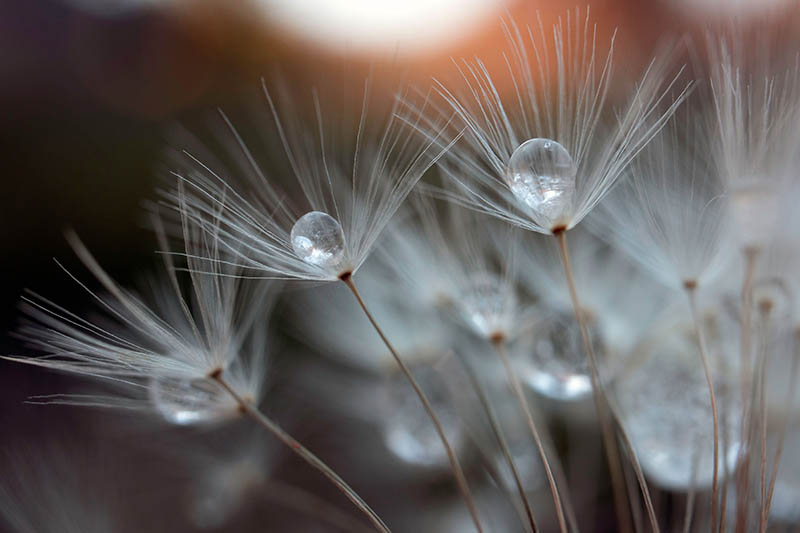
(89, 87)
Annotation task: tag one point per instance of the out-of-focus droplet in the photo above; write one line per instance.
(488, 305)
(556, 364)
(541, 174)
(755, 209)
(185, 402)
(408, 431)
(317, 239)
(666, 409)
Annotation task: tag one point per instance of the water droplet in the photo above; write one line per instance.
(667, 410)
(557, 365)
(184, 402)
(755, 209)
(541, 174)
(409, 433)
(488, 305)
(317, 239)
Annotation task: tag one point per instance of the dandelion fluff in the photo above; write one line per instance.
(540, 143)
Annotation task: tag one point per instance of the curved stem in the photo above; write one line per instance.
(501, 441)
(790, 394)
(303, 452)
(456, 466)
(601, 404)
(637, 469)
(691, 291)
(517, 388)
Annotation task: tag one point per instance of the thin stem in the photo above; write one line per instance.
(456, 466)
(637, 469)
(743, 481)
(762, 385)
(517, 388)
(790, 394)
(690, 498)
(691, 291)
(303, 452)
(501, 441)
(612, 452)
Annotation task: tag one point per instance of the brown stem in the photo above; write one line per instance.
(637, 469)
(456, 466)
(601, 404)
(691, 291)
(303, 452)
(517, 388)
(762, 385)
(501, 441)
(790, 393)
(743, 478)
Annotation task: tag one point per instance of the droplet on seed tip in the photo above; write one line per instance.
(541, 175)
(189, 401)
(317, 239)
(488, 305)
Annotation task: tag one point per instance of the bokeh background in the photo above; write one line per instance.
(89, 90)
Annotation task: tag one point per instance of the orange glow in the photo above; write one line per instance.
(407, 27)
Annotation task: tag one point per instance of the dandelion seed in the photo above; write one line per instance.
(361, 187)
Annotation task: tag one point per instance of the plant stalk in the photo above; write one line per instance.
(454, 463)
(303, 452)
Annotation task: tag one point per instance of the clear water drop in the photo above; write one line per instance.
(317, 239)
(488, 305)
(185, 402)
(556, 365)
(666, 409)
(541, 174)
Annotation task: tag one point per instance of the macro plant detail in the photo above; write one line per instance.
(551, 290)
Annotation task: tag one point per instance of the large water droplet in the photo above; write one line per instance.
(184, 402)
(488, 305)
(556, 365)
(541, 174)
(666, 408)
(317, 239)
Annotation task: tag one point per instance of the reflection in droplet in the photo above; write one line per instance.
(541, 174)
(317, 239)
(184, 401)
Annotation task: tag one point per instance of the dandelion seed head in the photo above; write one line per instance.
(488, 305)
(317, 239)
(190, 401)
(541, 174)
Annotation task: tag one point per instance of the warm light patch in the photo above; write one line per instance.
(402, 27)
